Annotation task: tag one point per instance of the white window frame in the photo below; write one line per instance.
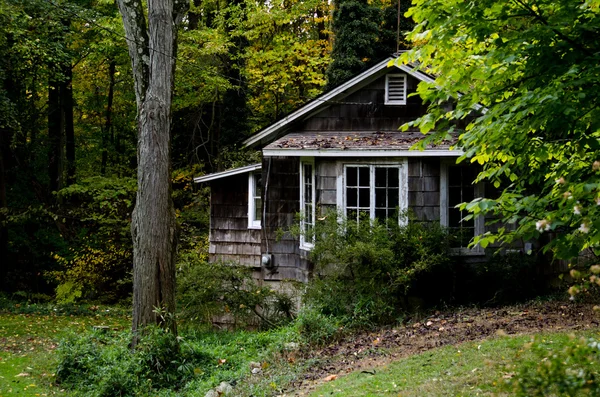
(253, 223)
(479, 222)
(305, 243)
(389, 101)
(401, 164)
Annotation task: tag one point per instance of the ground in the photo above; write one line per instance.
(368, 351)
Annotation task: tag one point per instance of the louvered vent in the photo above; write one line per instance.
(395, 89)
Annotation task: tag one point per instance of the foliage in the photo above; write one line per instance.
(566, 369)
(101, 363)
(364, 33)
(316, 328)
(522, 78)
(365, 272)
(207, 290)
(98, 262)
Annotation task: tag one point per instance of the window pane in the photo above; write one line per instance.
(351, 176)
(393, 180)
(393, 198)
(351, 197)
(380, 198)
(454, 217)
(257, 209)
(381, 214)
(364, 198)
(454, 196)
(308, 173)
(363, 176)
(381, 177)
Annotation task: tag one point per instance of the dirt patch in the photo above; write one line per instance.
(364, 352)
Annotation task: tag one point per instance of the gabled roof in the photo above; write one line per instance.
(274, 131)
(224, 174)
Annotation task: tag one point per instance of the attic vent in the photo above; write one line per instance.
(395, 89)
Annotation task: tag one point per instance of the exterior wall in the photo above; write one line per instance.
(281, 176)
(230, 238)
(365, 111)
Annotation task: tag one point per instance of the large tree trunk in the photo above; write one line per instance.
(154, 228)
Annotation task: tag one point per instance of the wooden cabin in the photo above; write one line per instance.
(341, 151)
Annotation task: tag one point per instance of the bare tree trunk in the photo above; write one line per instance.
(67, 107)
(107, 134)
(153, 227)
(55, 137)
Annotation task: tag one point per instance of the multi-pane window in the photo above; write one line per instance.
(254, 199)
(307, 203)
(372, 191)
(460, 190)
(457, 187)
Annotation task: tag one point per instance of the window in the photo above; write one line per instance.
(395, 89)
(254, 200)
(307, 203)
(457, 187)
(375, 191)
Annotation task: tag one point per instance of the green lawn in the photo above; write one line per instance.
(27, 342)
(480, 368)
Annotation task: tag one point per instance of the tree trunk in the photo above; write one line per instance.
(55, 137)
(67, 108)
(107, 135)
(154, 228)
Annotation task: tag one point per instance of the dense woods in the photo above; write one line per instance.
(68, 121)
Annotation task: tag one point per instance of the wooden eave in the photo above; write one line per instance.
(225, 174)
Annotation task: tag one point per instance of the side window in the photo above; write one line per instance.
(457, 187)
(254, 200)
(307, 203)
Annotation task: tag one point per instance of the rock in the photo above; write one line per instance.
(256, 371)
(254, 364)
(224, 389)
(211, 393)
(291, 346)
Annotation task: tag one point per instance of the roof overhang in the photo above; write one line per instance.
(361, 153)
(321, 102)
(225, 174)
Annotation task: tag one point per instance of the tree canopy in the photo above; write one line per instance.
(522, 78)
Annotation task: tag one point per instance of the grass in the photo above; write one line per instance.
(481, 368)
(27, 343)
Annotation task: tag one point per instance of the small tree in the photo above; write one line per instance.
(533, 66)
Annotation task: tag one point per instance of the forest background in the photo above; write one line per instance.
(68, 128)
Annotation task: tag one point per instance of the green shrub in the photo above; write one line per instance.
(316, 328)
(366, 271)
(206, 290)
(569, 369)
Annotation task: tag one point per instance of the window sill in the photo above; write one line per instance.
(307, 247)
(467, 251)
(254, 227)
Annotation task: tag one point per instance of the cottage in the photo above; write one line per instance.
(341, 151)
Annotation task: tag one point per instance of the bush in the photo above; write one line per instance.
(366, 271)
(569, 369)
(102, 365)
(207, 290)
(316, 328)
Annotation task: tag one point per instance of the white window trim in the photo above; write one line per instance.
(252, 222)
(479, 221)
(387, 93)
(307, 245)
(401, 164)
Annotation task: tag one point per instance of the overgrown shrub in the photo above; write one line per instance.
(207, 290)
(102, 365)
(366, 271)
(316, 328)
(569, 369)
